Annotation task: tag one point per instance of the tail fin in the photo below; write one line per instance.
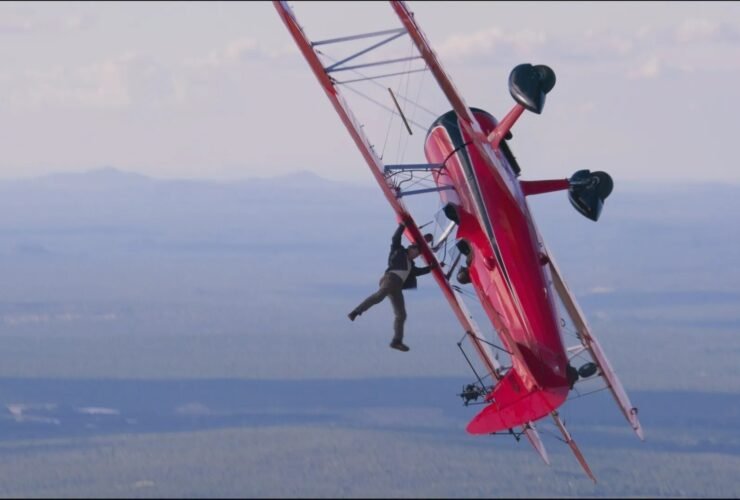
(513, 405)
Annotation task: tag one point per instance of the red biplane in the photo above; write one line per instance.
(496, 247)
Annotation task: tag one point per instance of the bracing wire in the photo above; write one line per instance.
(400, 96)
(401, 137)
(433, 114)
(406, 91)
(387, 108)
(387, 134)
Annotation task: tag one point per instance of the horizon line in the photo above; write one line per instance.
(308, 173)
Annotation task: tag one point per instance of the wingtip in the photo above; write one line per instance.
(586, 468)
(640, 434)
(534, 439)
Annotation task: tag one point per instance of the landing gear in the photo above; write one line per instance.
(529, 84)
(588, 190)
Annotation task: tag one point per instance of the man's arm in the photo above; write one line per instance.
(419, 271)
(396, 240)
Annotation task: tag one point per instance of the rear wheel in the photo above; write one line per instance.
(463, 276)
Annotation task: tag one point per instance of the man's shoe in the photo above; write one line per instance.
(400, 346)
(353, 315)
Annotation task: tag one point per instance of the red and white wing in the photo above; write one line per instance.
(592, 345)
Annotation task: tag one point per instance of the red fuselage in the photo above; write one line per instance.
(508, 266)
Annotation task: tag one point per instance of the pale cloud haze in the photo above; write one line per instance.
(217, 90)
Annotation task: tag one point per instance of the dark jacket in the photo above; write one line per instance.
(398, 260)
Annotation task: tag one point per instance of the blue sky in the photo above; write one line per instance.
(645, 90)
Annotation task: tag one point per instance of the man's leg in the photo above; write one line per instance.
(399, 310)
(377, 297)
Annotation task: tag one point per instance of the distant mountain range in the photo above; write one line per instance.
(645, 229)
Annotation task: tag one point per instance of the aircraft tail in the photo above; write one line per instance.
(513, 405)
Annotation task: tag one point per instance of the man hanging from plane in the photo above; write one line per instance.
(400, 275)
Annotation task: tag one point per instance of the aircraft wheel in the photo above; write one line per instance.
(463, 276)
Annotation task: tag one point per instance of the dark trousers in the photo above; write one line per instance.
(390, 286)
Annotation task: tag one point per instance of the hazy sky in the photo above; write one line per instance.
(217, 90)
